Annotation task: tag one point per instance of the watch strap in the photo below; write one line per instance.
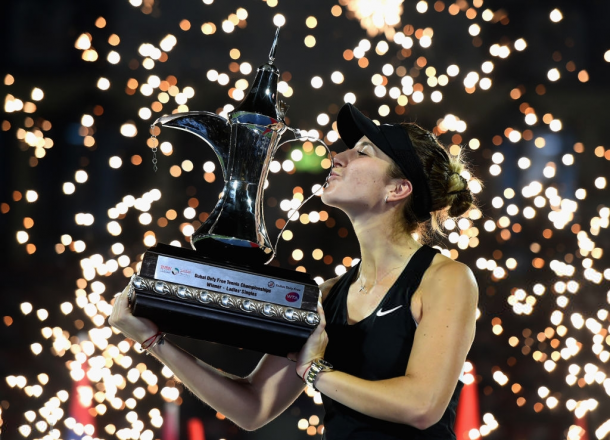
(317, 366)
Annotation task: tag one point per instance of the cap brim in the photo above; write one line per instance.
(353, 125)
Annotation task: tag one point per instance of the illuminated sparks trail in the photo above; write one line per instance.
(536, 242)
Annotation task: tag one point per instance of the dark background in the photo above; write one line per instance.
(38, 50)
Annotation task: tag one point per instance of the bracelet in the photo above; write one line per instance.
(149, 341)
(305, 373)
(157, 339)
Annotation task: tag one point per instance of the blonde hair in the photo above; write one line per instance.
(449, 190)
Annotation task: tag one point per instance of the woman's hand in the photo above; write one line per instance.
(138, 329)
(315, 346)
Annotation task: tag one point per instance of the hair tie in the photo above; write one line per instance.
(457, 192)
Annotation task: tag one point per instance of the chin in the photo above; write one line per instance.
(326, 199)
(329, 200)
(333, 202)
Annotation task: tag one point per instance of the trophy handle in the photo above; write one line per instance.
(298, 136)
(210, 127)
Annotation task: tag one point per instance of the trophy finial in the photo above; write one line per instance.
(274, 46)
(262, 96)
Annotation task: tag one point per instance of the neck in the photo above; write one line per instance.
(382, 248)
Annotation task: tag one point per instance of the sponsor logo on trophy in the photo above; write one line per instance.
(222, 291)
(292, 297)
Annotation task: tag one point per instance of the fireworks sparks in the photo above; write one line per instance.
(536, 243)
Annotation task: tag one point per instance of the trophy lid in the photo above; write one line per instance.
(262, 96)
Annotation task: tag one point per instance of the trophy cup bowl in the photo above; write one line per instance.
(221, 290)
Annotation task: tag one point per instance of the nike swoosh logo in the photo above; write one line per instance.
(387, 312)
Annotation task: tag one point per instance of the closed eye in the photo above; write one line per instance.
(364, 146)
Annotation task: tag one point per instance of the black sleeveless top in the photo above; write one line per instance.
(377, 348)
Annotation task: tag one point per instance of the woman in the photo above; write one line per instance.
(395, 329)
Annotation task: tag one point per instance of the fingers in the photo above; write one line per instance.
(121, 303)
(320, 328)
(124, 297)
(322, 316)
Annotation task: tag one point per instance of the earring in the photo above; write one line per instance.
(386, 199)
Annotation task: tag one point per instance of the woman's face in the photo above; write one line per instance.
(359, 180)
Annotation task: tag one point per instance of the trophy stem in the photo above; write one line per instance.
(237, 219)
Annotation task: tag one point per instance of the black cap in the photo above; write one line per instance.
(394, 141)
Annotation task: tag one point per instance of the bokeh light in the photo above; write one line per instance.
(80, 201)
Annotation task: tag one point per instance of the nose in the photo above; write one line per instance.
(340, 159)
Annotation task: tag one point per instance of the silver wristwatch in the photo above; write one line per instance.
(318, 366)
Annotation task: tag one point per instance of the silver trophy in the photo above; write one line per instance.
(221, 290)
(245, 145)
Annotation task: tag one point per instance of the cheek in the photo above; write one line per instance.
(360, 180)
(365, 177)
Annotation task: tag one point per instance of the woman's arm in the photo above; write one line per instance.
(442, 340)
(250, 402)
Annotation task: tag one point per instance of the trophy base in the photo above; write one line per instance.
(223, 327)
(256, 307)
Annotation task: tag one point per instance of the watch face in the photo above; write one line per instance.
(325, 364)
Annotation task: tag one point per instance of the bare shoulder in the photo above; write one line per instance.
(447, 275)
(327, 285)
